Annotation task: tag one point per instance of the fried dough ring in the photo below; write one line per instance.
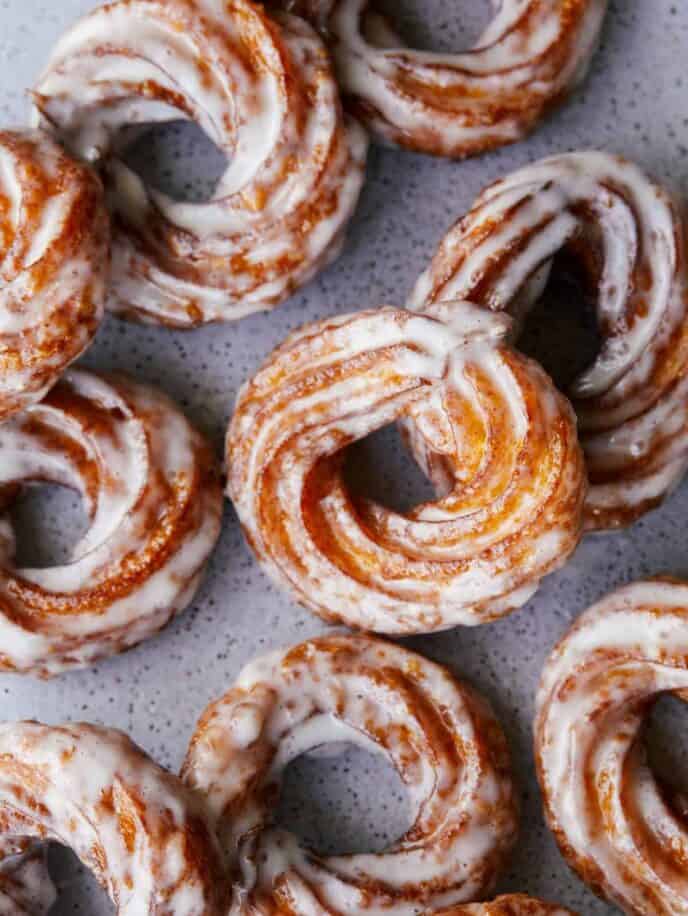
(140, 831)
(150, 485)
(441, 737)
(54, 263)
(263, 91)
(530, 57)
(632, 403)
(489, 428)
(623, 832)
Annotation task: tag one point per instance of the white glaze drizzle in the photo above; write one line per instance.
(263, 92)
(612, 822)
(531, 54)
(632, 403)
(149, 484)
(486, 425)
(134, 825)
(440, 736)
(54, 237)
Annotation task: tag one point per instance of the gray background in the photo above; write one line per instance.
(633, 103)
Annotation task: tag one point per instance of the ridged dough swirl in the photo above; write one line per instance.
(54, 264)
(630, 236)
(150, 486)
(488, 426)
(263, 92)
(619, 827)
(442, 738)
(135, 826)
(532, 54)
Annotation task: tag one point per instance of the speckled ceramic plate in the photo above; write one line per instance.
(633, 103)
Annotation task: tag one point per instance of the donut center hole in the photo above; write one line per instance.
(175, 157)
(342, 799)
(77, 889)
(666, 739)
(445, 26)
(561, 330)
(49, 521)
(380, 468)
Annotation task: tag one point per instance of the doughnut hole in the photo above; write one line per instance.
(175, 157)
(443, 25)
(666, 740)
(48, 520)
(380, 467)
(561, 330)
(78, 891)
(341, 799)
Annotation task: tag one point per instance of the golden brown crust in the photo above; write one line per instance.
(54, 264)
(440, 735)
(136, 827)
(262, 89)
(487, 426)
(509, 905)
(632, 402)
(528, 59)
(150, 485)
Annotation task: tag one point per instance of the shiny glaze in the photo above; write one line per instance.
(442, 738)
(485, 423)
(618, 827)
(530, 56)
(54, 264)
(632, 403)
(263, 92)
(135, 826)
(150, 485)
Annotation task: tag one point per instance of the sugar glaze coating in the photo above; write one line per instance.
(54, 264)
(442, 738)
(532, 54)
(136, 827)
(622, 830)
(150, 485)
(263, 92)
(630, 235)
(487, 426)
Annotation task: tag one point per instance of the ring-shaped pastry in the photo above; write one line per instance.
(150, 485)
(263, 91)
(441, 736)
(621, 829)
(533, 53)
(486, 424)
(54, 264)
(140, 831)
(630, 237)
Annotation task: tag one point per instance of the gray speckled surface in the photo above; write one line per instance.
(633, 103)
